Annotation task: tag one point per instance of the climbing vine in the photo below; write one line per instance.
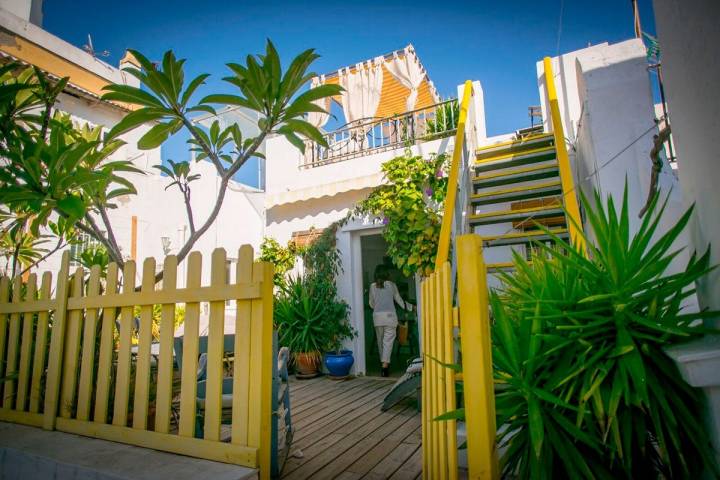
(409, 205)
(283, 258)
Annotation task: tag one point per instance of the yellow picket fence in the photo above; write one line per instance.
(66, 366)
(440, 459)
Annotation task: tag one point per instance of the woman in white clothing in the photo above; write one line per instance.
(383, 296)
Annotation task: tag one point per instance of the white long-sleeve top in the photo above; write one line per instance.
(382, 300)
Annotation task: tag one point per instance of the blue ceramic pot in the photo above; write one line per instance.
(339, 364)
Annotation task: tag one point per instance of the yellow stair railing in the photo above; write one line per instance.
(472, 318)
(566, 179)
(439, 319)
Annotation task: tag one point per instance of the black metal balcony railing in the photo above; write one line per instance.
(378, 134)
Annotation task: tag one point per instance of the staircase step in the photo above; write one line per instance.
(535, 190)
(523, 215)
(515, 175)
(517, 238)
(514, 159)
(500, 267)
(515, 145)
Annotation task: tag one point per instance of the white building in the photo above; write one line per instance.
(606, 103)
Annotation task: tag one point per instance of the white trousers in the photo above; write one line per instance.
(386, 338)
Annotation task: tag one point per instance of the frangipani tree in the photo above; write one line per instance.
(56, 168)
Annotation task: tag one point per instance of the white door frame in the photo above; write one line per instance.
(358, 300)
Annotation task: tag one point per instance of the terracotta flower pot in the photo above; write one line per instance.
(307, 365)
(402, 333)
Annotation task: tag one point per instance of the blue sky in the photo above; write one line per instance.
(495, 42)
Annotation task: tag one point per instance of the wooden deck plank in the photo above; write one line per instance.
(371, 450)
(392, 462)
(354, 412)
(411, 469)
(319, 390)
(335, 396)
(324, 407)
(335, 459)
(341, 432)
(365, 425)
(383, 450)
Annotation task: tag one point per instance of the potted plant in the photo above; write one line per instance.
(309, 317)
(300, 325)
(338, 361)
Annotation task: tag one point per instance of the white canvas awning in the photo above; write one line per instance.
(324, 190)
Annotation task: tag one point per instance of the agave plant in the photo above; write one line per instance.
(300, 320)
(584, 388)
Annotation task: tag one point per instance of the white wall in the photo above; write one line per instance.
(29, 10)
(608, 112)
(688, 30)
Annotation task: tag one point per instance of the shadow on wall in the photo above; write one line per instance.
(336, 204)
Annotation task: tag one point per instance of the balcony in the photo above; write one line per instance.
(376, 135)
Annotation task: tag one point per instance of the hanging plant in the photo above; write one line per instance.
(410, 206)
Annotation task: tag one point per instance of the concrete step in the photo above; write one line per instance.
(518, 238)
(30, 453)
(508, 176)
(514, 159)
(523, 215)
(515, 145)
(513, 194)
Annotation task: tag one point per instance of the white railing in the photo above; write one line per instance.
(378, 134)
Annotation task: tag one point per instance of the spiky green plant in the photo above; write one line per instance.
(584, 388)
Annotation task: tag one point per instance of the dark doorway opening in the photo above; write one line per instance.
(374, 253)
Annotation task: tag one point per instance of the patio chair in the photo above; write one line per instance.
(280, 446)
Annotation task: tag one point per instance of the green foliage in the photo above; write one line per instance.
(92, 255)
(179, 173)
(446, 119)
(584, 388)
(156, 316)
(299, 318)
(410, 204)
(54, 166)
(57, 169)
(284, 258)
(19, 244)
(308, 313)
(263, 87)
(56, 173)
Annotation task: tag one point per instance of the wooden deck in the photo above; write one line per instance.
(341, 433)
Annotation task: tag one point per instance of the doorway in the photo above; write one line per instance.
(373, 250)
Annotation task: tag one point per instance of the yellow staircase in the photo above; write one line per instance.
(516, 187)
(513, 187)
(520, 185)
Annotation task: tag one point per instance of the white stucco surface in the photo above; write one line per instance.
(606, 102)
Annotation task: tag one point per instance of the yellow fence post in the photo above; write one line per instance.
(261, 328)
(476, 350)
(57, 343)
(566, 178)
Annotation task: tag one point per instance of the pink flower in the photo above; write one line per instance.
(385, 220)
(429, 191)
